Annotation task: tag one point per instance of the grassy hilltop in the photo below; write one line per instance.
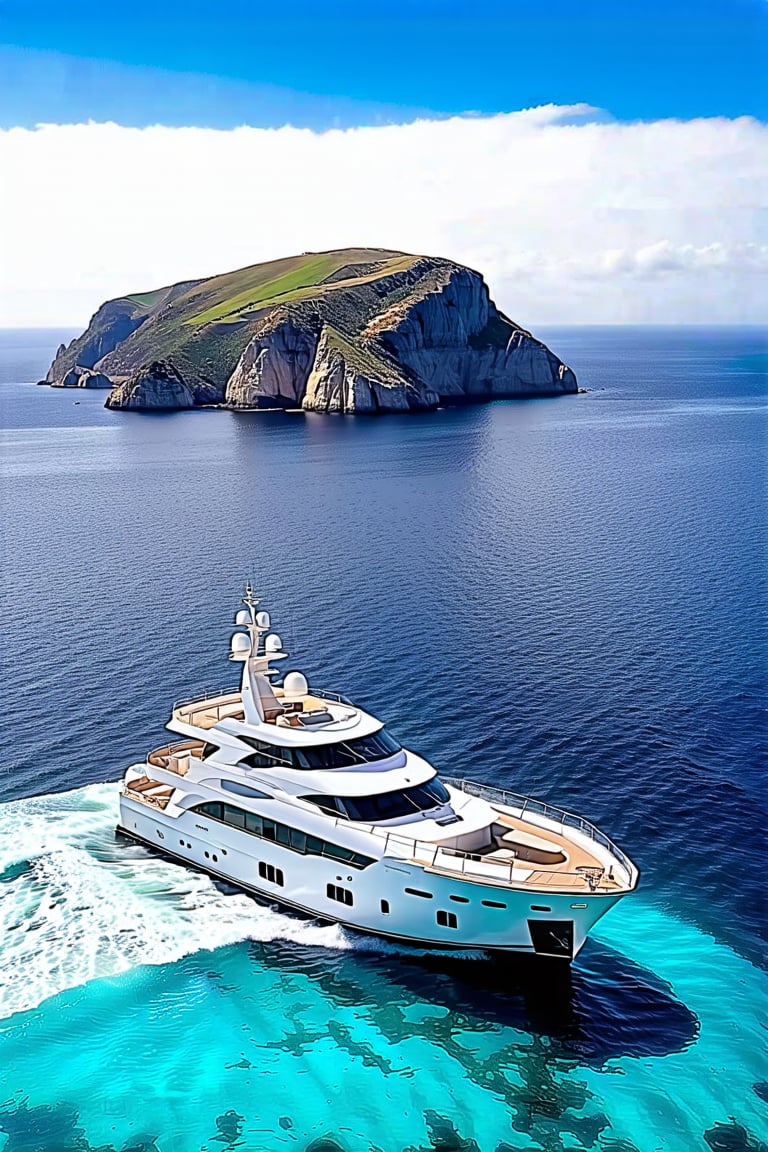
(202, 325)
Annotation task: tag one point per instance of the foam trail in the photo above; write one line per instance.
(76, 904)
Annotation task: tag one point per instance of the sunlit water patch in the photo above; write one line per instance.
(124, 1029)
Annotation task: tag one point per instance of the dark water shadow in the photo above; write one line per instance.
(605, 1008)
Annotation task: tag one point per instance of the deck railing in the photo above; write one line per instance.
(336, 697)
(526, 804)
(206, 694)
(468, 863)
(213, 693)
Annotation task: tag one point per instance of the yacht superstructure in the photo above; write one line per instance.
(300, 797)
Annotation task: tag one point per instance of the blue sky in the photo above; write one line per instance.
(597, 160)
(339, 62)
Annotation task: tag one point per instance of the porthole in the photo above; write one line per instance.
(493, 904)
(418, 892)
(181, 842)
(215, 859)
(207, 856)
(540, 908)
(160, 834)
(460, 899)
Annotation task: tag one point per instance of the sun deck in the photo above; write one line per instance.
(208, 710)
(148, 791)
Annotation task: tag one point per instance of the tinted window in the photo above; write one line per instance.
(384, 805)
(344, 754)
(273, 830)
(212, 809)
(253, 823)
(234, 816)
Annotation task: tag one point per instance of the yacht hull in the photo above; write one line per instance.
(394, 898)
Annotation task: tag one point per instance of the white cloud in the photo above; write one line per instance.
(570, 216)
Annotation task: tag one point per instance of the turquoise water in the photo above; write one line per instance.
(191, 1018)
(583, 578)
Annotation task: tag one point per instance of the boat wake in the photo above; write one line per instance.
(76, 903)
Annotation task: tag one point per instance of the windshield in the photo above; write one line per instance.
(384, 805)
(345, 754)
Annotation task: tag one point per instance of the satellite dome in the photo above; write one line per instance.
(240, 646)
(242, 617)
(295, 685)
(262, 619)
(273, 643)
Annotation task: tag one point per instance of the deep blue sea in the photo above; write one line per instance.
(567, 596)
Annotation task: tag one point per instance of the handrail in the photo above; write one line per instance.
(207, 694)
(230, 690)
(550, 811)
(324, 694)
(474, 863)
(435, 853)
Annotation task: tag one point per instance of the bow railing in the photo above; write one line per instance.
(527, 805)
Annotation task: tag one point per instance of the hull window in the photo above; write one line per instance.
(292, 838)
(493, 904)
(418, 892)
(385, 907)
(446, 919)
(272, 874)
(234, 816)
(460, 899)
(343, 895)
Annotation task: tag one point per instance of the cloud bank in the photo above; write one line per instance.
(570, 217)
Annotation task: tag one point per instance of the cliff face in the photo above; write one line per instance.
(451, 336)
(354, 331)
(157, 387)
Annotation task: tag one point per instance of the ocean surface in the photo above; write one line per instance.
(566, 596)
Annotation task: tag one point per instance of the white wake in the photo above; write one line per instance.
(77, 903)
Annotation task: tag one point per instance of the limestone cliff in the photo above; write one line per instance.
(157, 387)
(352, 331)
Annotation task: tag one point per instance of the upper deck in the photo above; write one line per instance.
(317, 713)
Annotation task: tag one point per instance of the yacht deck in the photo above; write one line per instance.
(151, 792)
(208, 710)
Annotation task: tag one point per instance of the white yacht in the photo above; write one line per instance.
(296, 795)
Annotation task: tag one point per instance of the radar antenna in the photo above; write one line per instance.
(256, 650)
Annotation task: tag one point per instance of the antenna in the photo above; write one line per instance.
(250, 599)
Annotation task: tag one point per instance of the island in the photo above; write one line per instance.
(358, 330)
